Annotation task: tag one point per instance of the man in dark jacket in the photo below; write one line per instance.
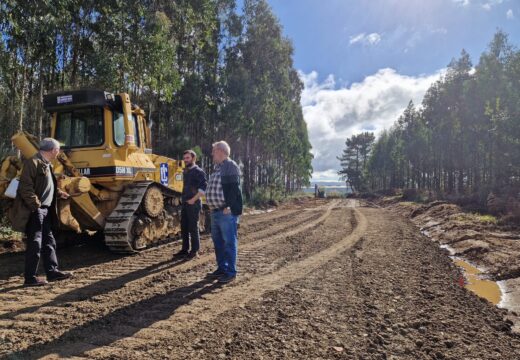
(35, 212)
(195, 183)
(224, 198)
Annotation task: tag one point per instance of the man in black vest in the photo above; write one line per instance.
(194, 188)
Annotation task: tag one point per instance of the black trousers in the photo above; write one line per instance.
(190, 226)
(40, 241)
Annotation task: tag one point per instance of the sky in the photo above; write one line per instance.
(362, 61)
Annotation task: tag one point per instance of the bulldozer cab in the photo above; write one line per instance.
(108, 139)
(97, 119)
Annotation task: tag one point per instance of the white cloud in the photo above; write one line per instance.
(510, 15)
(325, 176)
(441, 30)
(462, 2)
(484, 4)
(366, 39)
(490, 3)
(415, 38)
(333, 114)
(407, 38)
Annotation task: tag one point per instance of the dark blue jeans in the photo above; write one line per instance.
(225, 239)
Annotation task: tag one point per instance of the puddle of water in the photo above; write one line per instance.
(486, 289)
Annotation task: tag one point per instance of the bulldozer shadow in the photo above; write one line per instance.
(94, 334)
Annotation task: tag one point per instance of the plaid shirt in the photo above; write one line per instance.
(214, 193)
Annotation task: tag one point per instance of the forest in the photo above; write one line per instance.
(463, 141)
(203, 70)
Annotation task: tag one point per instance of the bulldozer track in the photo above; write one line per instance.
(163, 253)
(118, 224)
(160, 254)
(258, 271)
(252, 227)
(216, 303)
(118, 228)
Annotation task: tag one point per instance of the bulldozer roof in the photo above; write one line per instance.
(67, 100)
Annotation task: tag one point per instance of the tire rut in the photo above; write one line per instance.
(128, 268)
(201, 301)
(26, 308)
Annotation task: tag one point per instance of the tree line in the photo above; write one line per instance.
(204, 70)
(464, 139)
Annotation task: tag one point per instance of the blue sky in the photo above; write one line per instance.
(362, 60)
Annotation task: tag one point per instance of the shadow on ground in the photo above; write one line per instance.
(71, 257)
(94, 334)
(94, 289)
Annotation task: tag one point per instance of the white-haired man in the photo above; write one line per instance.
(35, 212)
(224, 198)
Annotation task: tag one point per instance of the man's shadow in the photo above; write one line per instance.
(71, 257)
(96, 288)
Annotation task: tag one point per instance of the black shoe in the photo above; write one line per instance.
(192, 255)
(33, 282)
(226, 279)
(180, 254)
(215, 274)
(58, 275)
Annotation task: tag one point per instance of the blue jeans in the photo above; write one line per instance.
(225, 239)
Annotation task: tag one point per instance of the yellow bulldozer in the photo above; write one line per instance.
(118, 187)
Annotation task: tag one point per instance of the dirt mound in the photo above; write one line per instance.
(477, 238)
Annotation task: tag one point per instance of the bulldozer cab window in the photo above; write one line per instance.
(119, 128)
(80, 127)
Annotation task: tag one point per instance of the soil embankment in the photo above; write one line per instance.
(476, 238)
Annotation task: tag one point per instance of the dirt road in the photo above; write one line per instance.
(331, 279)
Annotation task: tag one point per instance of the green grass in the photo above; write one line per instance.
(488, 219)
(335, 195)
(407, 203)
(476, 218)
(6, 234)
(392, 198)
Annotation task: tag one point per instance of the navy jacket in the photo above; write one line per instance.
(194, 179)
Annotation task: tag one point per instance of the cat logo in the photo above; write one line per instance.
(164, 174)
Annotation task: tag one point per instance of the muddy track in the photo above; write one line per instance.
(94, 257)
(334, 281)
(85, 256)
(214, 303)
(107, 287)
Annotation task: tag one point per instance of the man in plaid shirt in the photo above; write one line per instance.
(214, 193)
(224, 197)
